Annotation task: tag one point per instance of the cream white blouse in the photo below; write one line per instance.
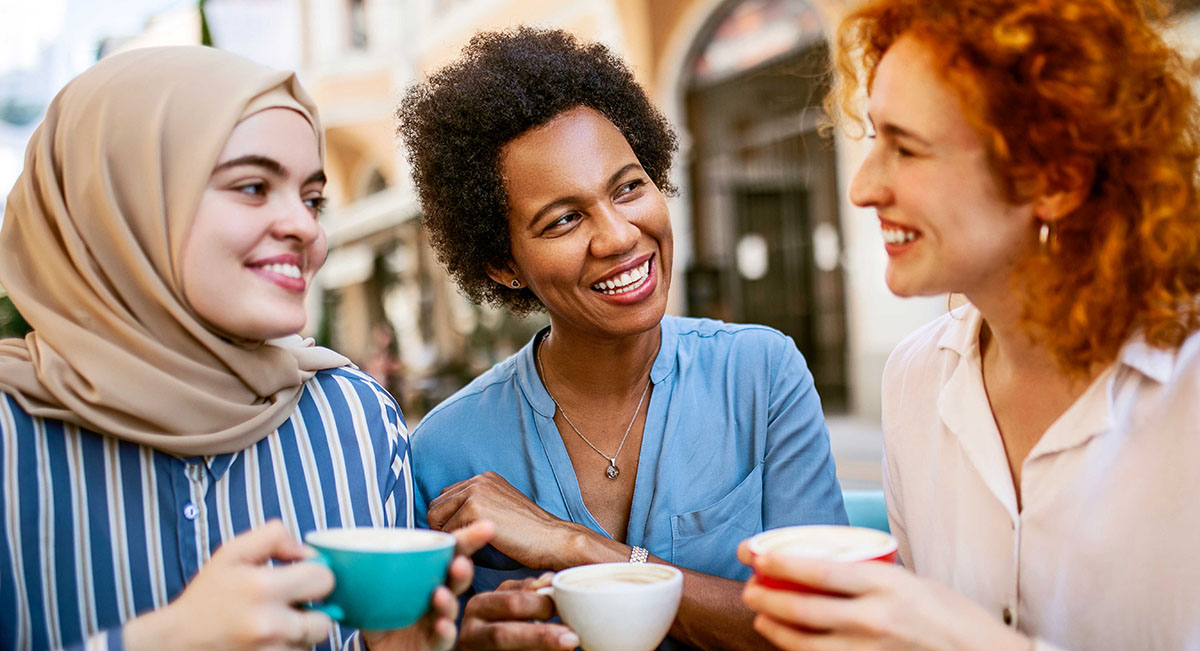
(1105, 553)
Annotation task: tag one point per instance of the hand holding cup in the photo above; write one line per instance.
(514, 617)
(364, 564)
(809, 594)
(618, 606)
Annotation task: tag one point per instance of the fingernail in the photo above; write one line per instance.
(569, 640)
(751, 593)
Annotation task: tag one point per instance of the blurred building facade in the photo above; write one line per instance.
(763, 229)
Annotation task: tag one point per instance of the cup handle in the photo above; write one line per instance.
(547, 590)
(334, 611)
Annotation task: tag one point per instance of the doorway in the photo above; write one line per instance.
(763, 183)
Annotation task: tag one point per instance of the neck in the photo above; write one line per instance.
(615, 367)
(1006, 345)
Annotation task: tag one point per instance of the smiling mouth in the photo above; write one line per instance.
(898, 235)
(626, 281)
(289, 270)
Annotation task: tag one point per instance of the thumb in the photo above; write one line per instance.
(472, 538)
(744, 555)
(257, 546)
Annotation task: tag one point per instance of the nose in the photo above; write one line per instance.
(870, 187)
(615, 232)
(295, 220)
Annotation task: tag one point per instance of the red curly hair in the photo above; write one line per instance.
(1069, 96)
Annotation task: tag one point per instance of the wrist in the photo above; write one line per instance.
(575, 549)
(148, 631)
(583, 546)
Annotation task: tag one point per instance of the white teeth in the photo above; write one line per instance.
(289, 270)
(626, 281)
(898, 235)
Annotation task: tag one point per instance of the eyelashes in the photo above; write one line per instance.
(317, 204)
(260, 190)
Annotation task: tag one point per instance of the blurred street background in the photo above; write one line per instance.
(763, 230)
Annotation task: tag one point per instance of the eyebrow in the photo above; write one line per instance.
(557, 203)
(895, 131)
(269, 164)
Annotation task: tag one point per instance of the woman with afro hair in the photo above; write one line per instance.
(617, 433)
(1038, 157)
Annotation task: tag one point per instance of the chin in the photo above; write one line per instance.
(906, 286)
(911, 290)
(633, 325)
(274, 330)
(908, 291)
(651, 320)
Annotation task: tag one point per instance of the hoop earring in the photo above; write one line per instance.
(1047, 238)
(516, 284)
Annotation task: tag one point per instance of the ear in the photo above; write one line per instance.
(1053, 207)
(1050, 207)
(504, 275)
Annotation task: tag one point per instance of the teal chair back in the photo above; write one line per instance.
(866, 508)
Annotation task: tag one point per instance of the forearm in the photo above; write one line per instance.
(712, 615)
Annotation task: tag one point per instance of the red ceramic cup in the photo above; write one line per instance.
(827, 542)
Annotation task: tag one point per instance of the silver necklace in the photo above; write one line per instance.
(612, 471)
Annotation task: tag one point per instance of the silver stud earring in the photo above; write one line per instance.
(516, 284)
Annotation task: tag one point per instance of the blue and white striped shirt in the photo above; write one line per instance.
(94, 530)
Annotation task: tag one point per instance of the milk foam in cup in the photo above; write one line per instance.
(384, 576)
(828, 542)
(617, 606)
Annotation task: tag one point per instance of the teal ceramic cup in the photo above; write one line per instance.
(384, 577)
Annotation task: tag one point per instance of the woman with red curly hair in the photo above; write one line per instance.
(1038, 157)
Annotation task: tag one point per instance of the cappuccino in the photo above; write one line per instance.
(833, 543)
(615, 580)
(378, 539)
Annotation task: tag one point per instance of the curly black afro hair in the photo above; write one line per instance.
(456, 122)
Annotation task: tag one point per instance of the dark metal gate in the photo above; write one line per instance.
(764, 192)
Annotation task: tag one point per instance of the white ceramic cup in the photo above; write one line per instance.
(617, 606)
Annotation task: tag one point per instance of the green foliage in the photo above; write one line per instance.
(11, 322)
(205, 33)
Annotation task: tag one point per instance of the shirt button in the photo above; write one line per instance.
(190, 512)
(1007, 616)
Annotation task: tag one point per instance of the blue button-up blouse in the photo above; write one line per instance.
(734, 443)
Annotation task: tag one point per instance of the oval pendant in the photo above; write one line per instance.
(612, 471)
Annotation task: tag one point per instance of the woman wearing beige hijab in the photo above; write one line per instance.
(165, 437)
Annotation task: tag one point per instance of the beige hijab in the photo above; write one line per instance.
(90, 248)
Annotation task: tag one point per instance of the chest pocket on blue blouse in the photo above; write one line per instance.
(706, 540)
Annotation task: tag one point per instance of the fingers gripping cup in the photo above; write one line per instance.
(617, 606)
(826, 542)
(384, 577)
